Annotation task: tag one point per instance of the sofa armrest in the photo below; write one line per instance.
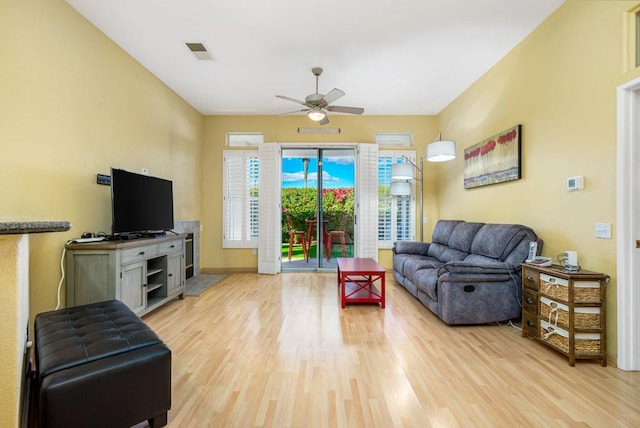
(411, 247)
(465, 268)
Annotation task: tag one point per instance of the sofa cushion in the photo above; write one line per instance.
(498, 240)
(442, 231)
(426, 280)
(446, 254)
(484, 262)
(414, 265)
(400, 262)
(463, 235)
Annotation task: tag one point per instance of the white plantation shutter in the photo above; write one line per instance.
(269, 241)
(367, 201)
(240, 173)
(396, 214)
(253, 185)
(385, 200)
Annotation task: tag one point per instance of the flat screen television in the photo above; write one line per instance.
(141, 204)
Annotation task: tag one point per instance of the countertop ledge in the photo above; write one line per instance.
(24, 227)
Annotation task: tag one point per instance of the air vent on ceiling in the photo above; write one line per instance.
(199, 50)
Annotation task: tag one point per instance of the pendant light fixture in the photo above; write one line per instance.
(441, 150)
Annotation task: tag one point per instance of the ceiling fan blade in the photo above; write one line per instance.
(291, 99)
(324, 121)
(292, 112)
(343, 109)
(333, 95)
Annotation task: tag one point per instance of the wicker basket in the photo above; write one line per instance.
(584, 317)
(585, 343)
(586, 291)
(558, 288)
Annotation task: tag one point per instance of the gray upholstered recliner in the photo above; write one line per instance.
(470, 273)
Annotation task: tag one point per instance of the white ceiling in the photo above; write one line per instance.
(392, 57)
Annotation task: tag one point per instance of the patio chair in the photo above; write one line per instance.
(340, 233)
(293, 233)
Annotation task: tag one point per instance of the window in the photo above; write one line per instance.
(240, 198)
(394, 139)
(243, 139)
(396, 214)
(241, 171)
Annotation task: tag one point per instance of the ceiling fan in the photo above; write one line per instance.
(316, 104)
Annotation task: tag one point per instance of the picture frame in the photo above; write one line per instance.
(494, 160)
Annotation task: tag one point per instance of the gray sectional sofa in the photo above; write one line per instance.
(470, 273)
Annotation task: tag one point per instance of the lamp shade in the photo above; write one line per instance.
(440, 151)
(402, 171)
(400, 188)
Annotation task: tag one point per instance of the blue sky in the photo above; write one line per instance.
(337, 172)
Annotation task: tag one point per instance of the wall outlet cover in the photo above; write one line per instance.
(103, 179)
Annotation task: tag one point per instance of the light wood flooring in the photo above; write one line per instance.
(278, 351)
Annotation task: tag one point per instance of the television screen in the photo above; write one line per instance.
(140, 203)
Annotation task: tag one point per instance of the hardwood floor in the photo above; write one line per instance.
(277, 351)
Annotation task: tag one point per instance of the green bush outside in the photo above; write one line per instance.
(300, 205)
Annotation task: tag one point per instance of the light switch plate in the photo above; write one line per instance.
(603, 230)
(575, 183)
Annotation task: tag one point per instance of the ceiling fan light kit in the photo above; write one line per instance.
(316, 114)
(317, 103)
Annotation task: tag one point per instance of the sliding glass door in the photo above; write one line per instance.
(336, 187)
(318, 207)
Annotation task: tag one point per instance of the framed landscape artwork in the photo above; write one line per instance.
(494, 160)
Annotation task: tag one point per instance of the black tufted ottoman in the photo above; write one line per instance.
(99, 365)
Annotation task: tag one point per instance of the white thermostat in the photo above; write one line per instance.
(575, 183)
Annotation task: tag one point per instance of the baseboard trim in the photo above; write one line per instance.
(228, 270)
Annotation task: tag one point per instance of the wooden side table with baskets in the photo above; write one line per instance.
(566, 310)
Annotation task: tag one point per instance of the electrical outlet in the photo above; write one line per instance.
(103, 179)
(603, 230)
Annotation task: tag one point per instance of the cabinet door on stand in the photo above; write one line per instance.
(133, 288)
(90, 277)
(174, 274)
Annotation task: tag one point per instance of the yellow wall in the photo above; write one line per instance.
(560, 84)
(72, 104)
(284, 129)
